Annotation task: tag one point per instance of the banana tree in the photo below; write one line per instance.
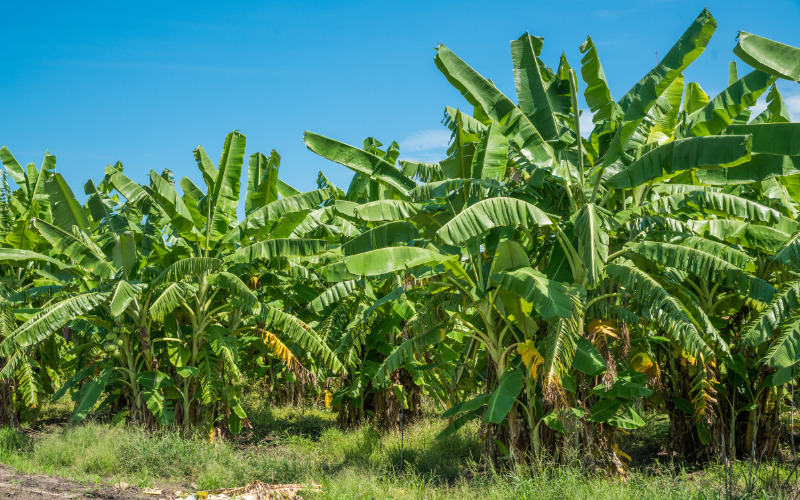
(164, 292)
(376, 325)
(576, 221)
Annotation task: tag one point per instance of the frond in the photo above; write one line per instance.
(28, 295)
(282, 352)
(789, 253)
(705, 266)
(720, 203)
(337, 321)
(763, 327)
(665, 310)
(439, 189)
(489, 213)
(276, 320)
(48, 320)
(559, 351)
(350, 345)
(238, 293)
(191, 267)
(170, 299)
(210, 377)
(704, 399)
(16, 256)
(785, 351)
(77, 249)
(385, 235)
(124, 293)
(279, 247)
(386, 210)
(226, 349)
(13, 362)
(406, 351)
(531, 357)
(725, 251)
(333, 295)
(590, 228)
(29, 381)
(423, 172)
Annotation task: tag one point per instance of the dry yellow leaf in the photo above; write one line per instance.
(531, 357)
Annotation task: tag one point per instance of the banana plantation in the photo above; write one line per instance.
(548, 284)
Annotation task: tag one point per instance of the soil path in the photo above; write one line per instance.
(41, 487)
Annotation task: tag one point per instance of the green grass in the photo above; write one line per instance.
(290, 445)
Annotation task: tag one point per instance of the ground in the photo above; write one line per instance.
(43, 487)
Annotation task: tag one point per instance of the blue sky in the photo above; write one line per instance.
(145, 83)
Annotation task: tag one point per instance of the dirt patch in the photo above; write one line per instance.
(42, 487)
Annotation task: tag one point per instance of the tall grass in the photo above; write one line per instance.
(290, 445)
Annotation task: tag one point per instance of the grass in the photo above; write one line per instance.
(288, 445)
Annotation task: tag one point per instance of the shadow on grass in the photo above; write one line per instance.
(278, 424)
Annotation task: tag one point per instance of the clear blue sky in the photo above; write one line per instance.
(145, 83)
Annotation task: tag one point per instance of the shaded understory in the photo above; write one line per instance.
(290, 445)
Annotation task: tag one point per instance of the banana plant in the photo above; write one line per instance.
(578, 212)
(377, 329)
(165, 292)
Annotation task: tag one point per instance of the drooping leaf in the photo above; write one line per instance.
(12, 255)
(271, 213)
(490, 213)
(124, 293)
(170, 299)
(238, 294)
(300, 333)
(675, 156)
(769, 56)
(281, 247)
(762, 328)
(383, 210)
(381, 236)
(706, 266)
(785, 350)
(771, 138)
(333, 295)
(81, 251)
(190, 268)
(761, 167)
(48, 320)
(665, 309)
(392, 259)
(406, 351)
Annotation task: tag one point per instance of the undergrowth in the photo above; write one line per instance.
(289, 445)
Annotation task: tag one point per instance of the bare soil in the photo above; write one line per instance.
(42, 487)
